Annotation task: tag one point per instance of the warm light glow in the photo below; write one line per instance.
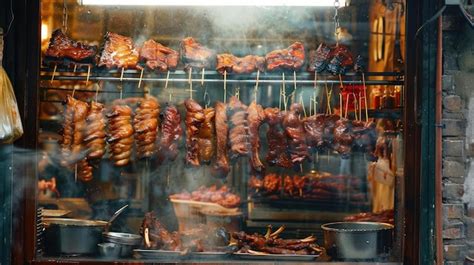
(329, 3)
(44, 32)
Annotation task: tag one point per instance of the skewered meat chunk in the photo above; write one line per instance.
(277, 154)
(329, 125)
(341, 60)
(206, 136)
(255, 183)
(145, 125)
(290, 58)
(314, 128)
(271, 183)
(221, 168)
(95, 131)
(158, 236)
(245, 65)
(288, 185)
(238, 133)
(296, 134)
(194, 120)
(171, 132)
(121, 134)
(159, 57)
(319, 58)
(119, 51)
(194, 55)
(67, 130)
(255, 117)
(343, 137)
(221, 196)
(61, 47)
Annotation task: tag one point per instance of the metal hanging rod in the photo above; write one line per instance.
(289, 80)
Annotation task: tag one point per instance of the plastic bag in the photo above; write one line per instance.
(10, 122)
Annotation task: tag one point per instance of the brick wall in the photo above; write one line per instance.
(458, 137)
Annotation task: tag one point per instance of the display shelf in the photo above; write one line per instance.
(302, 78)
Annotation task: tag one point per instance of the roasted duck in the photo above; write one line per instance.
(61, 47)
(245, 65)
(84, 170)
(196, 56)
(158, 57)
(206, 136)
(255, 117)
(119, 51)
(194, 121)
(171, 132)
(221, 168)
(95, 131)
(296, 134)
(120, 134)
(239, 129)
(341, 60)
(67, 130)
(319, 58)
(145, 125)
(290, 58)
(277, 154)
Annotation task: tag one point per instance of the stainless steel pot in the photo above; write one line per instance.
(127, 242)
(72, 236)
(358, 240)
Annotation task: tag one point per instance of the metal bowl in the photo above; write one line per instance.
(109, 250)
(358, 240)
(127, 242)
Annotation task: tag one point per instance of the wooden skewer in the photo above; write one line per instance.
(284, 91)
(340, 104)
(256, 85)
(54, 73)
(73, 91)
(202, 76)
(121, 74)
(310, 105)
(360, 106)
(302, 104)
(140, 80)
(365, 98)
(166, 85)
(225, 86)
(75, 68)
(347, 105)
(190, 84)
(88, 74)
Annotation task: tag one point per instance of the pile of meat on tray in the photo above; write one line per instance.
(201, 239)
(221, 196)
(386, 216)
(315, 187)
(271, 243)
(120, 51)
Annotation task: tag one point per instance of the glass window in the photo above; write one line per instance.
(231, 132)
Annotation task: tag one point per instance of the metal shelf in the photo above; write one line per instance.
(302, 78)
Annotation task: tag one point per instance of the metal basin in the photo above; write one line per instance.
(358, 240)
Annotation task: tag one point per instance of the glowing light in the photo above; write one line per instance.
(321, 3)
(44, 32)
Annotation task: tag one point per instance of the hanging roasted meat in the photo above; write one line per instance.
(245, 65)
(239, 129)
(119, 51)
(120, 134)
(255, 117)
(196, 56)
(221, 168)
(61, 47)
(365, 137)
(95, 131)
(314, 128)
(67, 130)
(145, 125)
(290, 58)
(277, 154)
(328, 132)
(272, 183)
(171, 132)
(343, 137)
(206, 136)
(296, 134)
(341, 60)
(319, 58)
(159, 57)
(194, 121)
(84, 170)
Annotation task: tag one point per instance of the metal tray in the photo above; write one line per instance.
(276, 257)
(157, 254)
(208, 255)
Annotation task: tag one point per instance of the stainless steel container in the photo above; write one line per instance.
(358, 240)
(72, 236)
(127, 242)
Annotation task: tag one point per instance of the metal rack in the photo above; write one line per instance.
(300, 78)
